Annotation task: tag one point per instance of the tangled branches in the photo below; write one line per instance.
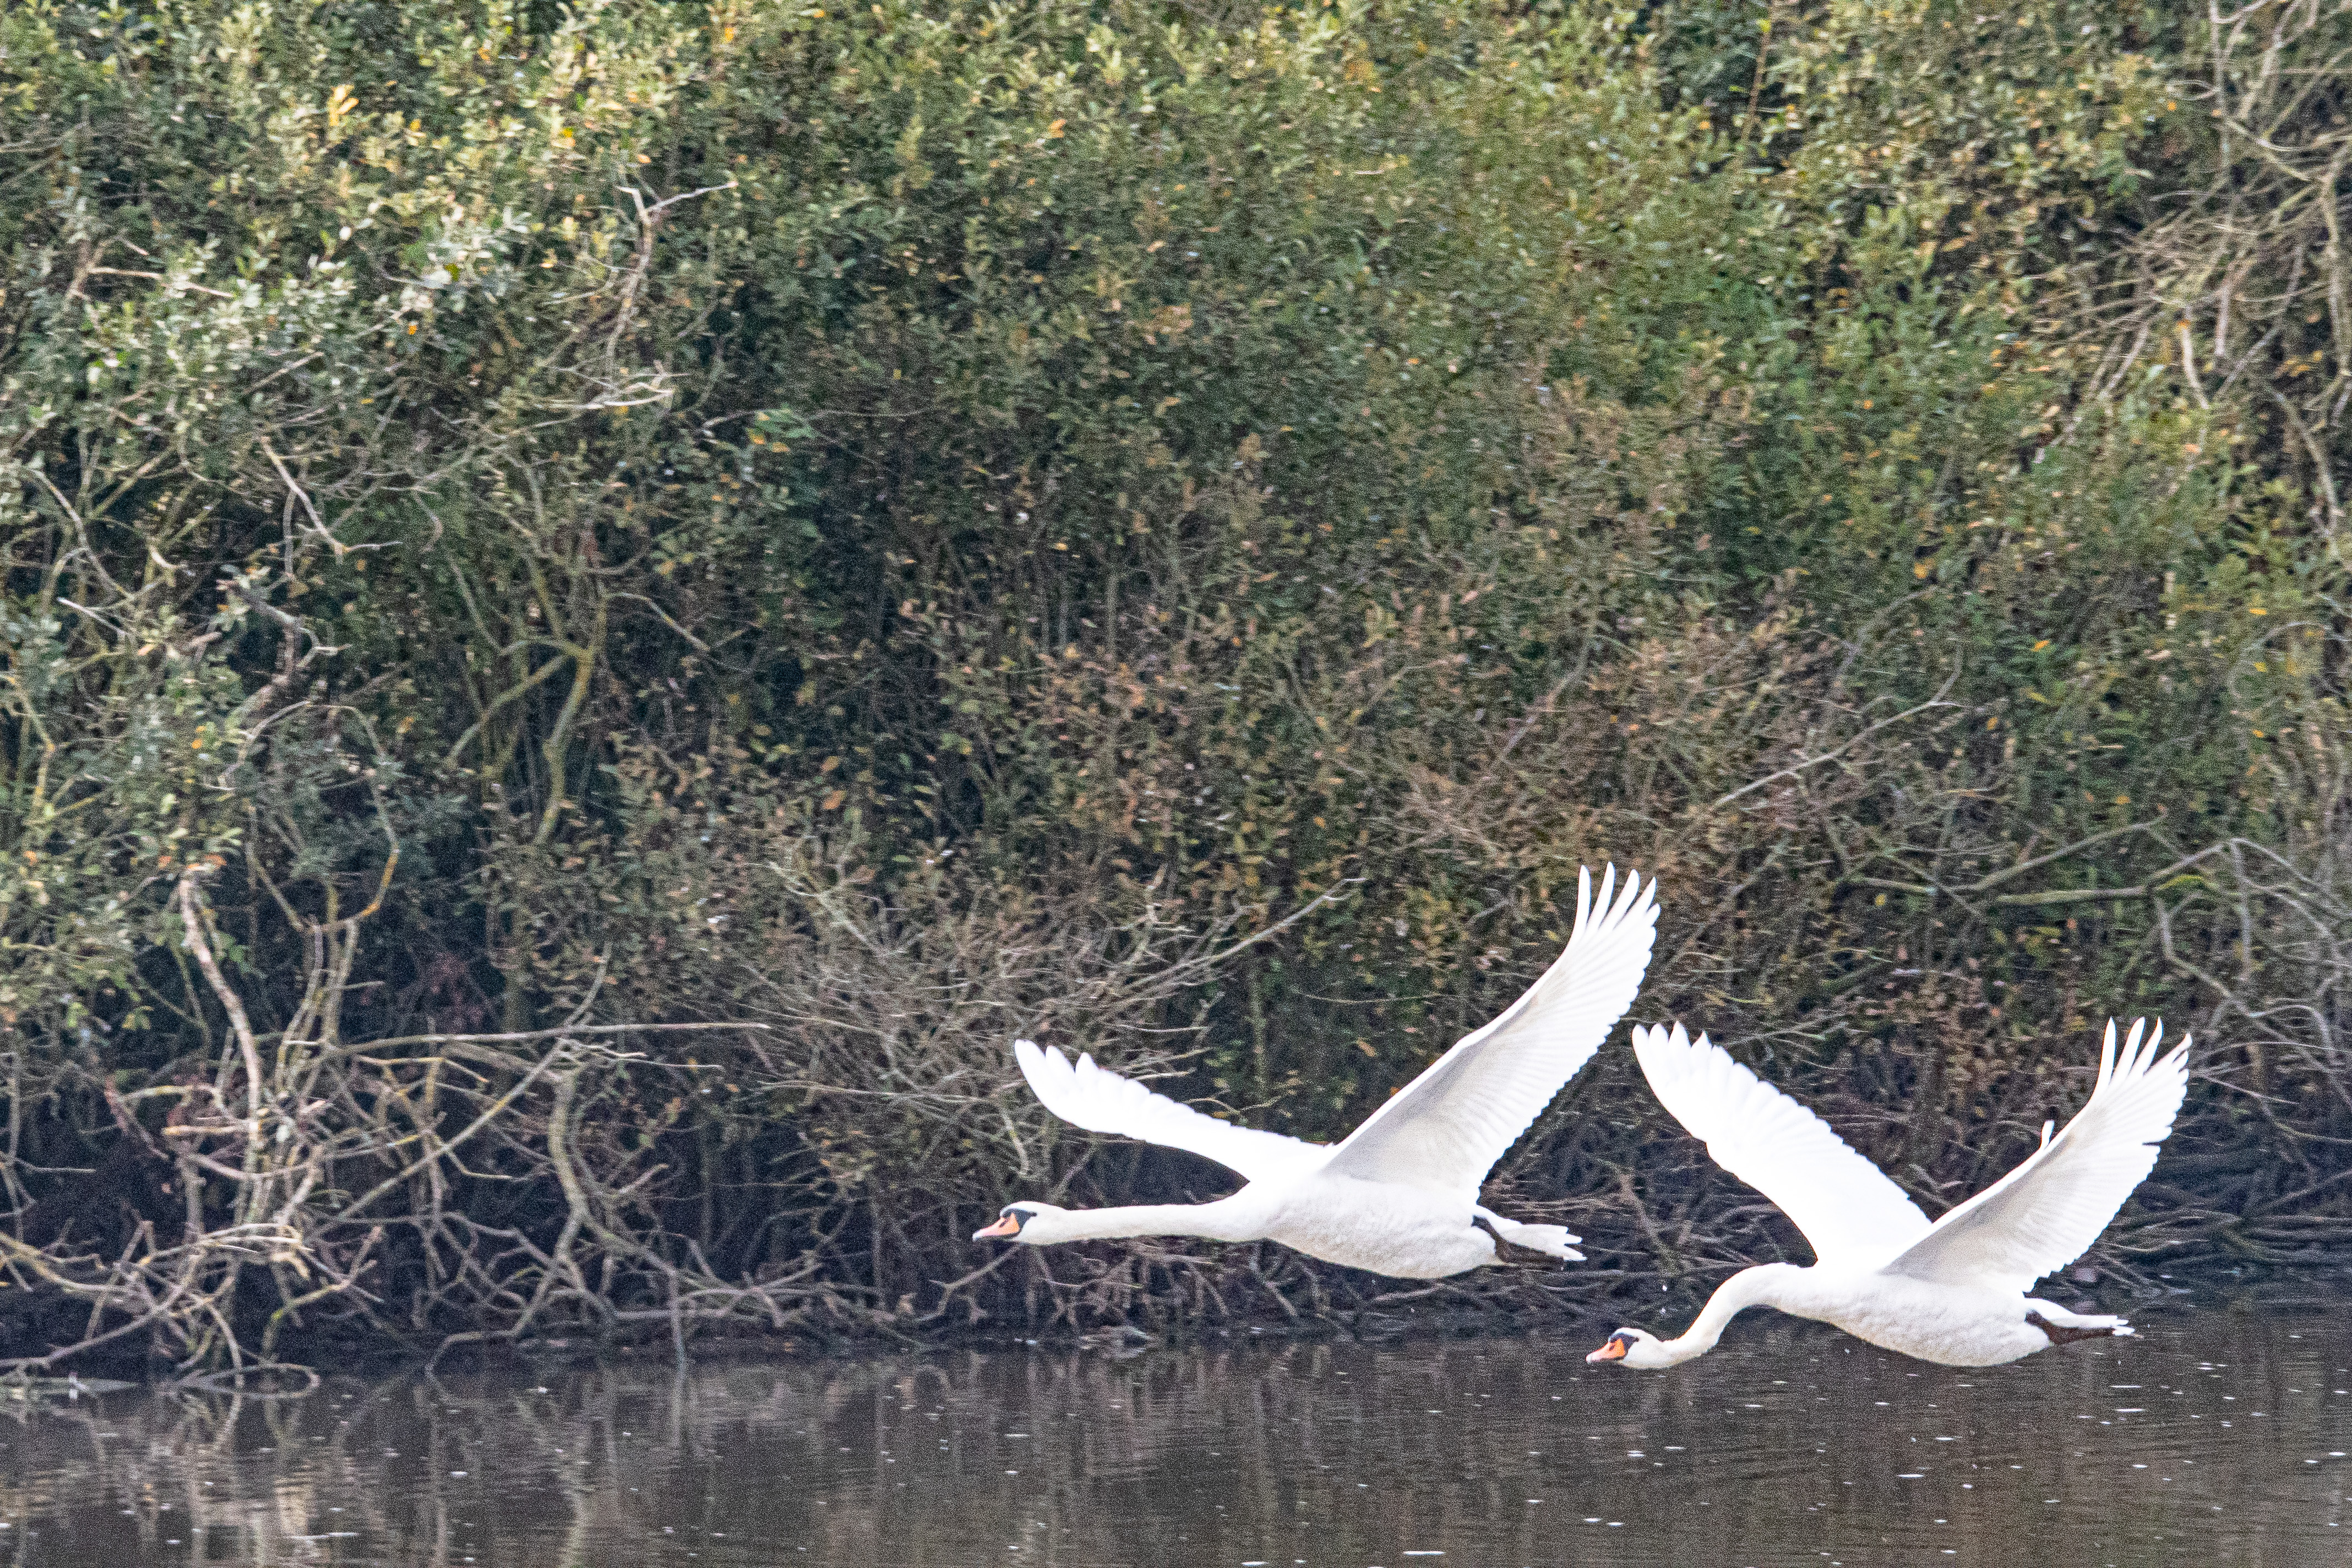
(301, 1152)
(2238, 280)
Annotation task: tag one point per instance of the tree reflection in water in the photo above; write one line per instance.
(2216, 1438)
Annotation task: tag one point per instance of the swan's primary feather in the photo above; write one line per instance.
(1101, 1101)
(2046, 1213)
(1444, 1131)
(1850, 1214)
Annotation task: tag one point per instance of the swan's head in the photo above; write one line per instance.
(1636, 1348)
(1024, 1221)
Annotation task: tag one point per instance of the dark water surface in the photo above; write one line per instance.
(2215, 1438)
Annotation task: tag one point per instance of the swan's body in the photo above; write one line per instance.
(1953, 1325)
(1388, 1227)
(1952, 1291)
(1399, 1194)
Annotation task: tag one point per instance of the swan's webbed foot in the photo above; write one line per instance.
(1512, 1253)
(2060, 1334)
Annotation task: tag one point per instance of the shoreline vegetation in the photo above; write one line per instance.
(603, 603)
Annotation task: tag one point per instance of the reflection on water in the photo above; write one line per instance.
(2214, 1438)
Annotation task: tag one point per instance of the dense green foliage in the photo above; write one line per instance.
(1174, 532)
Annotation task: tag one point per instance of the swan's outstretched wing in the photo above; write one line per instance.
(1847, 1208)
(1445, 1129)
(2046, 1213)
(1101, 1101)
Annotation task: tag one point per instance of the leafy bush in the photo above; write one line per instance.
(603, 603)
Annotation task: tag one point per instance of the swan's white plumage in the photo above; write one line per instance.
(1445, 1129)
(1101, 1101)
(1953, 1292)
(2046, 1213)
(1850, 1214)
(1400, 1195)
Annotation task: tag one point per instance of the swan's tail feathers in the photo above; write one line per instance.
(1553, 1241)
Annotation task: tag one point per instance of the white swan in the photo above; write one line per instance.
(1951, 1292)
(1398, 1195)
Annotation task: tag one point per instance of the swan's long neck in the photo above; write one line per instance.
(1758, 1287)
(1215, 1221)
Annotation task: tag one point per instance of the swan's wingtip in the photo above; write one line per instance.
(1036, 1060)
(1628, 897)
(2141, 1053)
(1660, 1037)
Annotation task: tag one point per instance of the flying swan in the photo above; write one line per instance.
(1951, 1292)
(1399, 1194)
